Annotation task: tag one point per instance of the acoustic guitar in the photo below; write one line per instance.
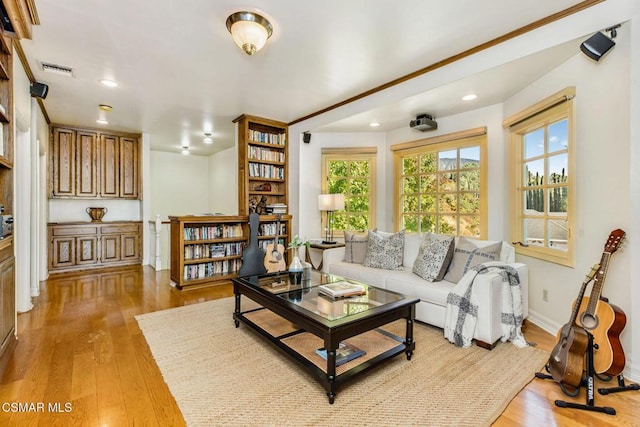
(274, 258)
(566, 362)
(605, 321)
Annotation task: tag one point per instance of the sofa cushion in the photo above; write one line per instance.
(467, 255)
(385, 252)
(434, 257)
(355, 246)
(412, 243)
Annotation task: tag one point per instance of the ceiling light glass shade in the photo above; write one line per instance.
(469, 97)
(109, 83)
(249, 31)
(185, 151)
(207, 139)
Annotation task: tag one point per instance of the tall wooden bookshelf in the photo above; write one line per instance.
(207, 250)
(262, 162)
(7, 258)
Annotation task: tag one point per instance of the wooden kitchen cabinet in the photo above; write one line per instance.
(79, 246)
(87, 163)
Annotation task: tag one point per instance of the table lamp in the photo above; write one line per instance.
(330, 203)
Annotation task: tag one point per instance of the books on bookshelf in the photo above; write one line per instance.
(259, 170)
(277, 208)
(341, 289)
(213, 232)
(210, 269)
(269, 138)
(344, 353)
(213, 250)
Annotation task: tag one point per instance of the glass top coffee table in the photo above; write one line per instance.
(335, 339)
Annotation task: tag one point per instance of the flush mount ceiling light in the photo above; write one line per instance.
(374, 124)
(102, 114)
(249, 30)
(469, 97)
(185, 150)
(207, 139)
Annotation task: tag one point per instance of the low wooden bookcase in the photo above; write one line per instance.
(207, 249)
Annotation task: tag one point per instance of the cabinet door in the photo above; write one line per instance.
(129, 168)
(130, 247)
(8, 298)
(109, 166)
(86, 164)
(110, 248)
(63, 171)
(86, 247)
(63, 252)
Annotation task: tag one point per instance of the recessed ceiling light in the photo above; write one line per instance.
(374, 124)
(207, 139)
(109, 83)
(469, 97)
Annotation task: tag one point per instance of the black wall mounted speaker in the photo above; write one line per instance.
(306, 137)
(596, 46)
(39, 90)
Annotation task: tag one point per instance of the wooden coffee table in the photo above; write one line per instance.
(306, 314)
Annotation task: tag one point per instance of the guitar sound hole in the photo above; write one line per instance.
(588, 321)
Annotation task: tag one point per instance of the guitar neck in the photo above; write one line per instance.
(598, 283)
(583, 288)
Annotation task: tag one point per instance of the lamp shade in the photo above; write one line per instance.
(249, 31)
(331, 202)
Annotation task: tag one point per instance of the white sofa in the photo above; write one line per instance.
(433, 295)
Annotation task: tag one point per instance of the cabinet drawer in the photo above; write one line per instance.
(61, 230)
(120, 228)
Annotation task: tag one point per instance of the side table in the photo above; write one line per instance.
(321, 247)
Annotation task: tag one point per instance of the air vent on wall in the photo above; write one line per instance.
(57, 69)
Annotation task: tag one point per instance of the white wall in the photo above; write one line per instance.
(223, 181)
(603, 192)
(179, 185)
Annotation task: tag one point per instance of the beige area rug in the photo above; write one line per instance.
(220, 375)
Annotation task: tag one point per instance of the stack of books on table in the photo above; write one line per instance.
(277, 208)
(341, 289)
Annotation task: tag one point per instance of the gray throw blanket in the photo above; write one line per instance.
(462, 309)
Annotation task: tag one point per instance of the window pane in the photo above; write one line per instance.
(558, 232)
(558, 135)
(337, 185)
(428, 203)
(410, 204)
(340, 221)
(448, 160)
(410, 222)
(428, 183)
(338, 168)
(470, 226)
(359, 168)
(410, 184)
(428, 163)
(534, 231)
(470, 157)
(534, 143)
(409, 165)
(534, 202)
(448, 224)
(428, 223)
(558, 200)
(469, 203)
(359, 186)
(448, 181)
(470, 180)
(534, 172)
(448, 203)
(558, 168)
(358, 204)
(359, 222)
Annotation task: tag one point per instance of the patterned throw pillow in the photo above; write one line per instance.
(355, 247)
(467, 255)
(385, 251)
(434, 257)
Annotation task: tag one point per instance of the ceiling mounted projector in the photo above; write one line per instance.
(423, 122)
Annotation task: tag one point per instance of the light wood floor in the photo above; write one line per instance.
(81, 348)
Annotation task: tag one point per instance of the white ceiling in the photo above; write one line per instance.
(181, 75)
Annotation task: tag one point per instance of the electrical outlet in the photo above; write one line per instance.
(545, 295)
